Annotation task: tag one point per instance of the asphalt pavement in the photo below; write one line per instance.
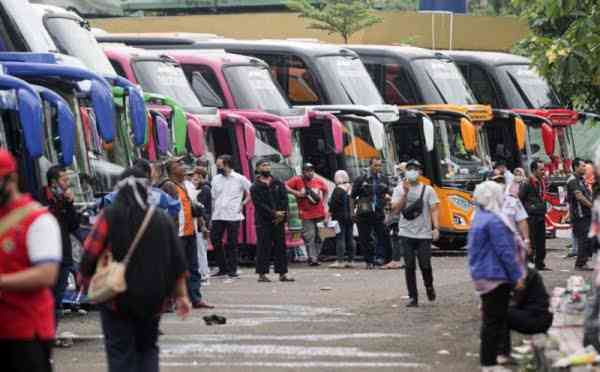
(328, 320)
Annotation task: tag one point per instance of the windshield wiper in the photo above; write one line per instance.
(352, 101)
(515, 82)
(437, 88)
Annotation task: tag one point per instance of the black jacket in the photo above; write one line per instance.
(533, 297)
(363, 188)
(267, 200)
(340, 206)
(205, 199)
(68, 219)
(532, 197)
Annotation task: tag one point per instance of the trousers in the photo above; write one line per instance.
(494, 325)
(417, 250)
(366, 228)
(311, 238)
(537, 235)
(25, 356)
(270, 243)
(190, 249)
(227, 259)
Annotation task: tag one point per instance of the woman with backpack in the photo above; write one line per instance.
(155, 272)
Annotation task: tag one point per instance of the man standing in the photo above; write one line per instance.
(270, 200)
(370, 193)
(59, 198)
(230, 192)
(580, 207)
(532, 196)
(174, 186)
(418, 225)
(501, 169)
(30, 254)
(311, 194)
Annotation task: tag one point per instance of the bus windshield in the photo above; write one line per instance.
(456, 163)
(447, 81)
(168, 79)
(360, 147)
(266, 147)
(253, 87)
(349, 74)
(534, 90)
(72, 38)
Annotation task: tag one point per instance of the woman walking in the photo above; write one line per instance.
(155, 273)
(340, 208)
(494, 269)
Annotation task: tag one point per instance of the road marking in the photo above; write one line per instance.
(305, 338)
(314, 364)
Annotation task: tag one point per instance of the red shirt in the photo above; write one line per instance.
(309, 211)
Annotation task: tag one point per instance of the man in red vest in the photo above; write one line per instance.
(30, 254)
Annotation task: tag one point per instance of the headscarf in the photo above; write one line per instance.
(342, 179)
(489, 195)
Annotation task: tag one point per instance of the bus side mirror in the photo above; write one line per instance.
(549, 138)
(137, 114)
(250, 139)
(521, 133)
(468, 133)
(377, 132)
(428, 133)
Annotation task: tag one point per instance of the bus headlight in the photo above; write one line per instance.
(458, 220)
(460, 202)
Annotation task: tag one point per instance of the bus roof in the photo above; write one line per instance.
(490, 59)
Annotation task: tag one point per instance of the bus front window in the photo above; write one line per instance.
(266, 147)
(447, 81)
(360, 148)
(253, 88)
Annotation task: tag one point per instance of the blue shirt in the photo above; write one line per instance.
(492, 249)
(156, 197)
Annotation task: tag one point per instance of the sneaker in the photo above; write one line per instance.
(263, 279)
(413, 303)
(218, 273)
(336, 265)
(234, 275)
(285, 278)
(313, 263)
(349, 265)
(430, 293)
(370, 266)
(570, 255)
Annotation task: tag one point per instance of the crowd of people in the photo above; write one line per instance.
(174, 213)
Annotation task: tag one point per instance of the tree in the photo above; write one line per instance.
(564, 45)
(343, 17)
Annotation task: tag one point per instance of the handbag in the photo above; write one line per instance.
(415, 209)
(109, 279)
(312, 196)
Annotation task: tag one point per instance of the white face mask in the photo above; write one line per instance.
(412, 175)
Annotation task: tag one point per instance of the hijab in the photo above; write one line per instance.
(342, 180)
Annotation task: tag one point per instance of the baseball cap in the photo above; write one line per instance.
(262, 161)
(414, 163)
(8, 164)
(308, 166)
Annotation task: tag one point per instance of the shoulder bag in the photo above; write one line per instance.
(109, 279)
(312, 196)
(414, 210)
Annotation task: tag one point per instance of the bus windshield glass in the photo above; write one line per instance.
(253, 88)
(359, 147)
(168, 79)
(456, 163)
(535, 91)
(447, 81)
(349, 74)
(72, 38)
(266, 148)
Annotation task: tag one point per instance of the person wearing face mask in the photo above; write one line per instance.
(580, 206)
(30, 256)
(230, 193)
(311, 193)
(270, 199)
(418, 226)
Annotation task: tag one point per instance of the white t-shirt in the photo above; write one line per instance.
(44, 242)
(228, 194)
(514, 211)
(420, 227)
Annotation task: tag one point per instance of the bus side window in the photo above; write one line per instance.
(482, 86)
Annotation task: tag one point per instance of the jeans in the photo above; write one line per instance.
(25, 356)
(191, 256)
(311, 238)
(417, 249)
(344, 242)
(537, 235)
(494, 325)
(581, 228)
(59, 289)
(131, 344)
(270, 242)
(227, 259)
(365, 237)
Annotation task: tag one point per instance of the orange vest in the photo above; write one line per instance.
(24, 315)
(186, 220)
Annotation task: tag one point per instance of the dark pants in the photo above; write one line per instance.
(227, 259)
(190, 248)
(344, 242)
(525, 322)
(366, 227)
(131, 344)
(494, 325)
(25, 356)
(59, 289)
(417, 249)
(270, 242)
(537, 235)
(581, 229)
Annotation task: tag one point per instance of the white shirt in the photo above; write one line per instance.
(228, 194)
(44, 242)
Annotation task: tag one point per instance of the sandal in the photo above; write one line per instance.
(284, 278)
(264, 279)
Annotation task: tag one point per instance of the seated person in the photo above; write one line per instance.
(529, 312)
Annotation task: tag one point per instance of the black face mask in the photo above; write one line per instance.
(4, 194)
(265, 173)
(220, 171)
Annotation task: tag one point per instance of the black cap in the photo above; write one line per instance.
(308, 166)
(413, 163)
(262, 161)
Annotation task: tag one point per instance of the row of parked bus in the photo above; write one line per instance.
(96, 101)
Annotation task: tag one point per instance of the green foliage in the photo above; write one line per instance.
(343, 17)
(564, 45)
(396, 4)
(491, 7)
